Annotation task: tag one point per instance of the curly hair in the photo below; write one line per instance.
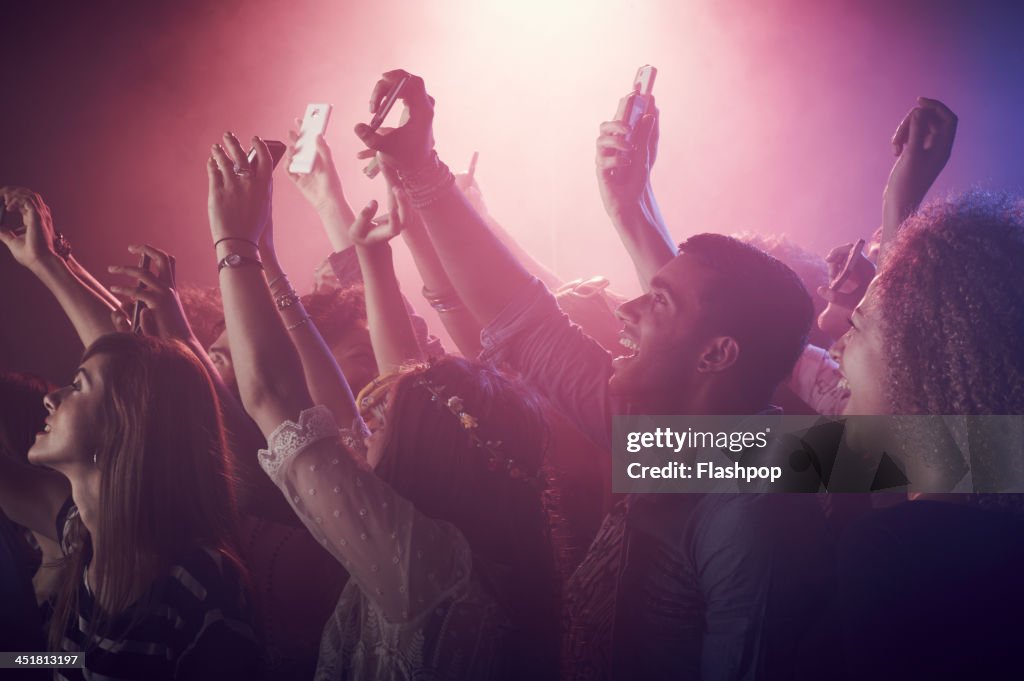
(335, 311)
(951, 301)
(204, 311)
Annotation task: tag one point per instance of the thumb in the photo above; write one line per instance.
(364, 221)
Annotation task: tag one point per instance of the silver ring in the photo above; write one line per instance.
(240, 171)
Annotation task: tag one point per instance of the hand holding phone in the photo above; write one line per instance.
(640, 101)
(389, 101)
(277, 150)
(313, 123)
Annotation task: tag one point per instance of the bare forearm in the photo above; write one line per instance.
(337, 217)
(485, 274)
(643, 232)
(267, 366)
(896, 208)
(460, 323)
(88, 312)
(324, 379)
(391, 332)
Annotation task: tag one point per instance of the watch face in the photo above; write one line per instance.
(233, 260)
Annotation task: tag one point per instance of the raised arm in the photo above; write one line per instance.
(471, 190)
(322, 188)
(391, 333)
(438, 289)
(524, 323)
(923, 143)
(34, 249)
(370, 529)
(624, 178)
(324, 379)
(267, 366)
(164, 316)
(485, 274)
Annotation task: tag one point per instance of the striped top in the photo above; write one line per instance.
(193, 623)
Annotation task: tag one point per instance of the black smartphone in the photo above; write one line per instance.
(389, 101)
(137, 309)
(10, 220)
(844, 274)
(276, 149)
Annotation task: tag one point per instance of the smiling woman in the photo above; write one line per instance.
(931, 589)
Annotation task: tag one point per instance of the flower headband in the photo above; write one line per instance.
(372, 403)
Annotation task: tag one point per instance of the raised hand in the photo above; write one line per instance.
(39, 240)
(321, 187)
(367, 232)
(923, 143)
(409, 146)
(843, 296)
(239, 192)
(163, 315)
(624, 162)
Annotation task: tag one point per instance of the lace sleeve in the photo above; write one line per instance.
(403, 561)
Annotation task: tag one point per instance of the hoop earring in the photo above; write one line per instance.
(94, 462)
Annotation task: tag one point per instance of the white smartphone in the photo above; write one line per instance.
(313, 123)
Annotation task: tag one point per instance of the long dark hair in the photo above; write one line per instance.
(165, 480)
(501, 508)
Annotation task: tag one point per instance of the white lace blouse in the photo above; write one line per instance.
(413, 607)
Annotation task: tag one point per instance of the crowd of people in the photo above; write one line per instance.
(253, 483)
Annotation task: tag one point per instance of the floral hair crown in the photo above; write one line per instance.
(372, 399)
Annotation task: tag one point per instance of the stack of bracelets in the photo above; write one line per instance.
(425, 186)
(286, 299)
(428, 183)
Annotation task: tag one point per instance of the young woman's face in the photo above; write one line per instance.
(71, 434)
(863, 361)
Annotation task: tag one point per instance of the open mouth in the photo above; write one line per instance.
(631, 346)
